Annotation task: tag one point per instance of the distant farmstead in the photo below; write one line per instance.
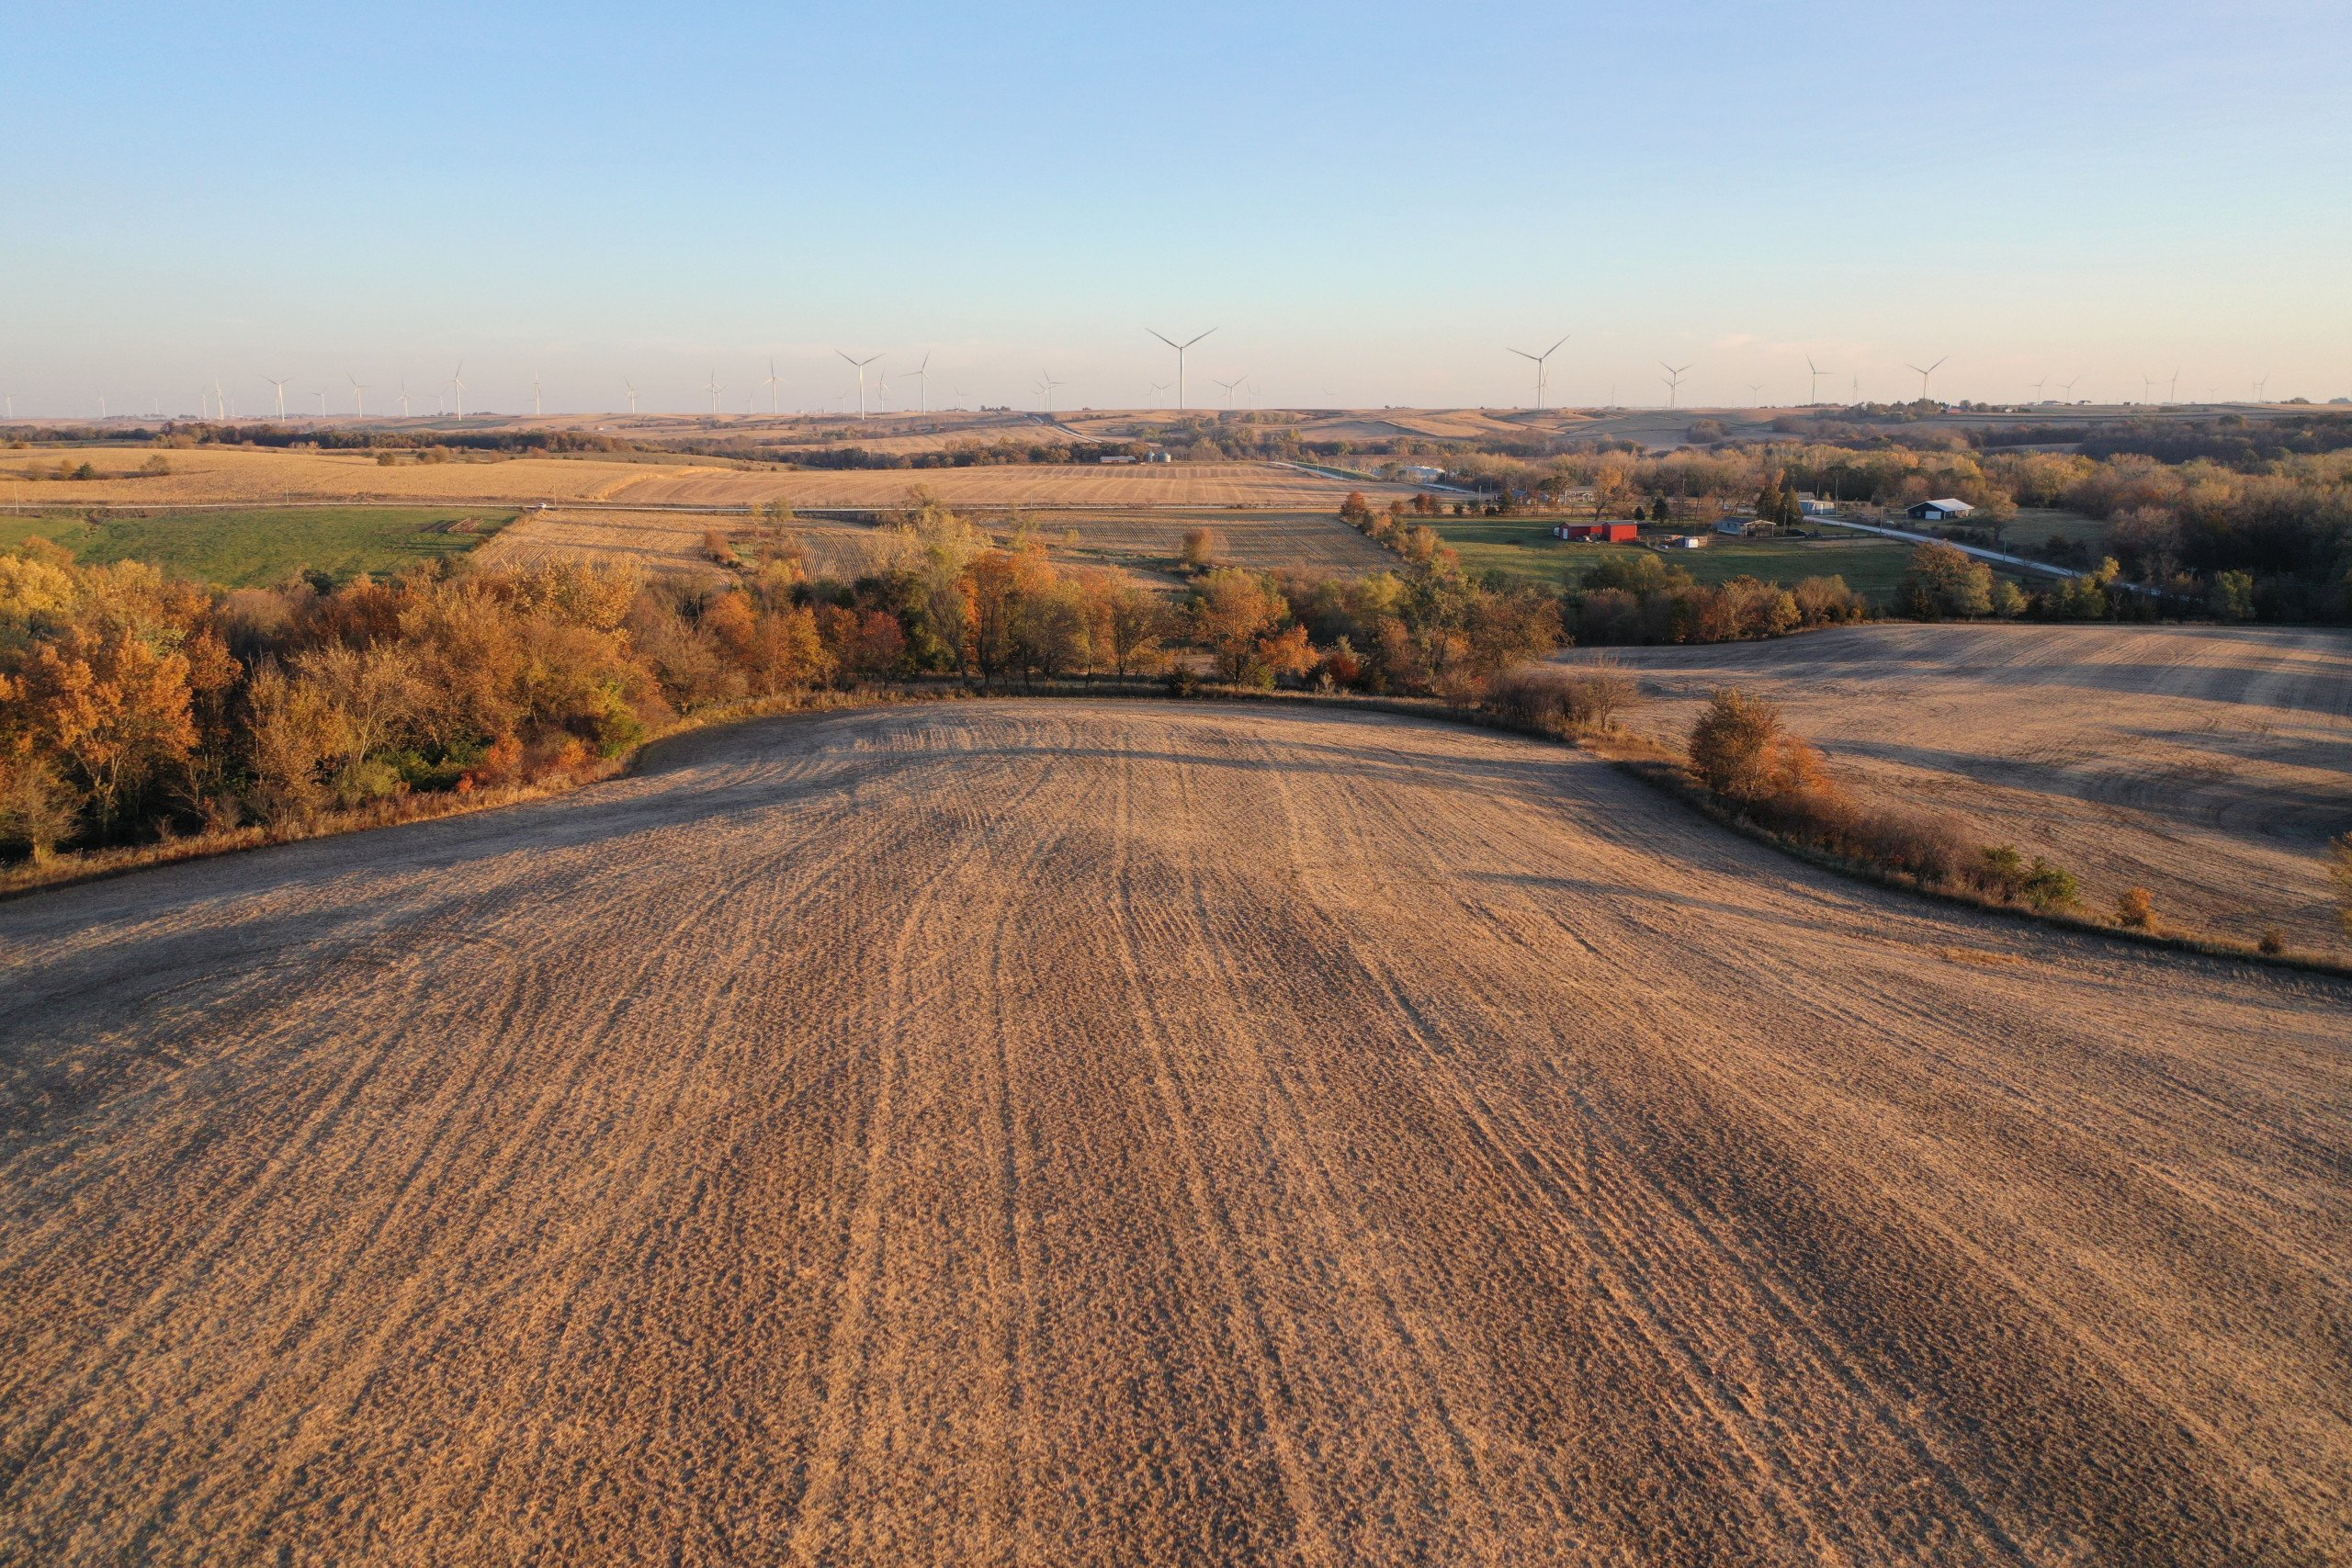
(1420, 474)
(1940, 511)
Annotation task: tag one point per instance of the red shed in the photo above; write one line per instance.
(1600, 533)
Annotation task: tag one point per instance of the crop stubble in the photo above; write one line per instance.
(1066, 1132)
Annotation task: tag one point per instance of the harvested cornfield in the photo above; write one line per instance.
(670, 544)
(262, 476)
(1039, 485)
(1003, 1132)
(2208, 765)
(1311, 541)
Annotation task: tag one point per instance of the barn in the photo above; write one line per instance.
(1599, 533)
(1945, 510)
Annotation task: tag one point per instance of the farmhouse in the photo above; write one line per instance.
(1942, 511)
(1599, 532)
(1745, 527)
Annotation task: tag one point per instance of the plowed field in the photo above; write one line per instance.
(1058, 1133)
(2208, 765)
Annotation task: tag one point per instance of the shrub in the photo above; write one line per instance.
(2136, 909)
(2004, 874)
(2049, 886)
(1557, 697)
(2273, 942)
(2000, 871)
(719, 548)
(1739, 751)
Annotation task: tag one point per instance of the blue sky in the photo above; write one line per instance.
(1368, 201)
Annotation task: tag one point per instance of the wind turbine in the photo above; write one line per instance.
(1756, 391)
(1537, 360)
(922, 373)
(1229, 386)
(457, 387)
(322, 403)
(1813, 393)
(1930, 370)
(1673, 382)
(2261, 386)
(2172, 388)
(358, 393)
(102, 406)
(882, 390)
(1157, 387)
(1180, 349)
(404, 397)
(713, 391)
(534, 394)
(220, 399)
(632, 394)
(1046, 384)
(770, 385)
(861, 365)
(2037, 388)
(280, 385)
(2068, 386)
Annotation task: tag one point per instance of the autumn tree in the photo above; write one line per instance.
(1231, 609)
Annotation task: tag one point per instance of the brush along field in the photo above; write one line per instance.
(2207, 765)
(1070, 1132)
(1042, 485)
(242, 476)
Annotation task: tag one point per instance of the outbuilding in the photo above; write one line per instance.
(1599, 532)
(1939, 511)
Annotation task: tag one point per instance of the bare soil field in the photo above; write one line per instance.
(2208, 765)
(1118, 485)
(1068, 1133)
(227, 475)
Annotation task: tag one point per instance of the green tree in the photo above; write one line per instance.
(1944, 582)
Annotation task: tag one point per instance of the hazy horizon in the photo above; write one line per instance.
(1368, 212)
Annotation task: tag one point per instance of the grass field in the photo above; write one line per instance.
(1524, 547)
(1082, 1133)
(2209, 764)
(2036, 523)
(249, 549)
